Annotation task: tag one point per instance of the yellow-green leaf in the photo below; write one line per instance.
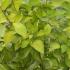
(2, 17)
(25, 43)
(17, 4)
(67, 29)
(21, 29)
(11, 17)
(2, 30)
(54, 46)
(5, 4)
(68, 52)
(8, 37)
(46, 31)
(38, 45)
(41, 33)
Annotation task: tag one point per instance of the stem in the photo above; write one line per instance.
(42, 66)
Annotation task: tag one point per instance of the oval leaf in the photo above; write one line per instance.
(54, 46)
(8, 37)
(21, 29)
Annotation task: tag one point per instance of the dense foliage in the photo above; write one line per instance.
(34, 34)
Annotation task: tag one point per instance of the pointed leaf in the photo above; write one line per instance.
(25, 43)
(38, 45)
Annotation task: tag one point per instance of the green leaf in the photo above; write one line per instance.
(11, 17)
(2, 67)
(5, 4)
(8, 37)
(30, 28)
(67, 61)
(54, 46)
(46, 31)
(38, 45)
(1, 47)
(63, 48)
(34, 34)
(56, 3)
(21, 29)
(34, 2)
(68, 52)
(18, 18)
(25, 43)
(2, 17)
(2, 30)
(67, 29)
(41, 33)
(17, 4)
(54, 63)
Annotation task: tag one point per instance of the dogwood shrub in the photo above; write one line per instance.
(34, 34)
